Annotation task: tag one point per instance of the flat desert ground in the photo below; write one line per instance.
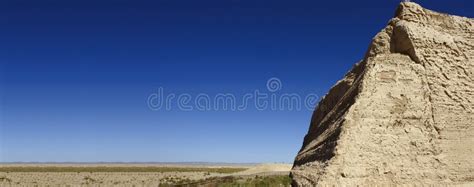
(144, 174)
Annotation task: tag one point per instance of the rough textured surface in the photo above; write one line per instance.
(404, 114)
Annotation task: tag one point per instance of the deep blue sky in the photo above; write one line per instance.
(75, 75)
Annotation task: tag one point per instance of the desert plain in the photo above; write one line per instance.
(144, 174)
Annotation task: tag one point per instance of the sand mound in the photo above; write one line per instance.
(266, 168)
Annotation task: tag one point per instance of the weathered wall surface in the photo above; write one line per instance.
(404, 114)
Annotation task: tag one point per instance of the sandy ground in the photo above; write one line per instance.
(129, 178)
(266, 169)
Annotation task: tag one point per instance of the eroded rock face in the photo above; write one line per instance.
(404, 114)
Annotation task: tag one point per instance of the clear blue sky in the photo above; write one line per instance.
(75, 75)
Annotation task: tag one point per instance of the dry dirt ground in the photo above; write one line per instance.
(142, 175)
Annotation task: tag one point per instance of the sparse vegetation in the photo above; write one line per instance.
(231, 181)
(174, 181)
(119, 169)
(89, 180)
(90, 175)
(259, 181)
(5, 179)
